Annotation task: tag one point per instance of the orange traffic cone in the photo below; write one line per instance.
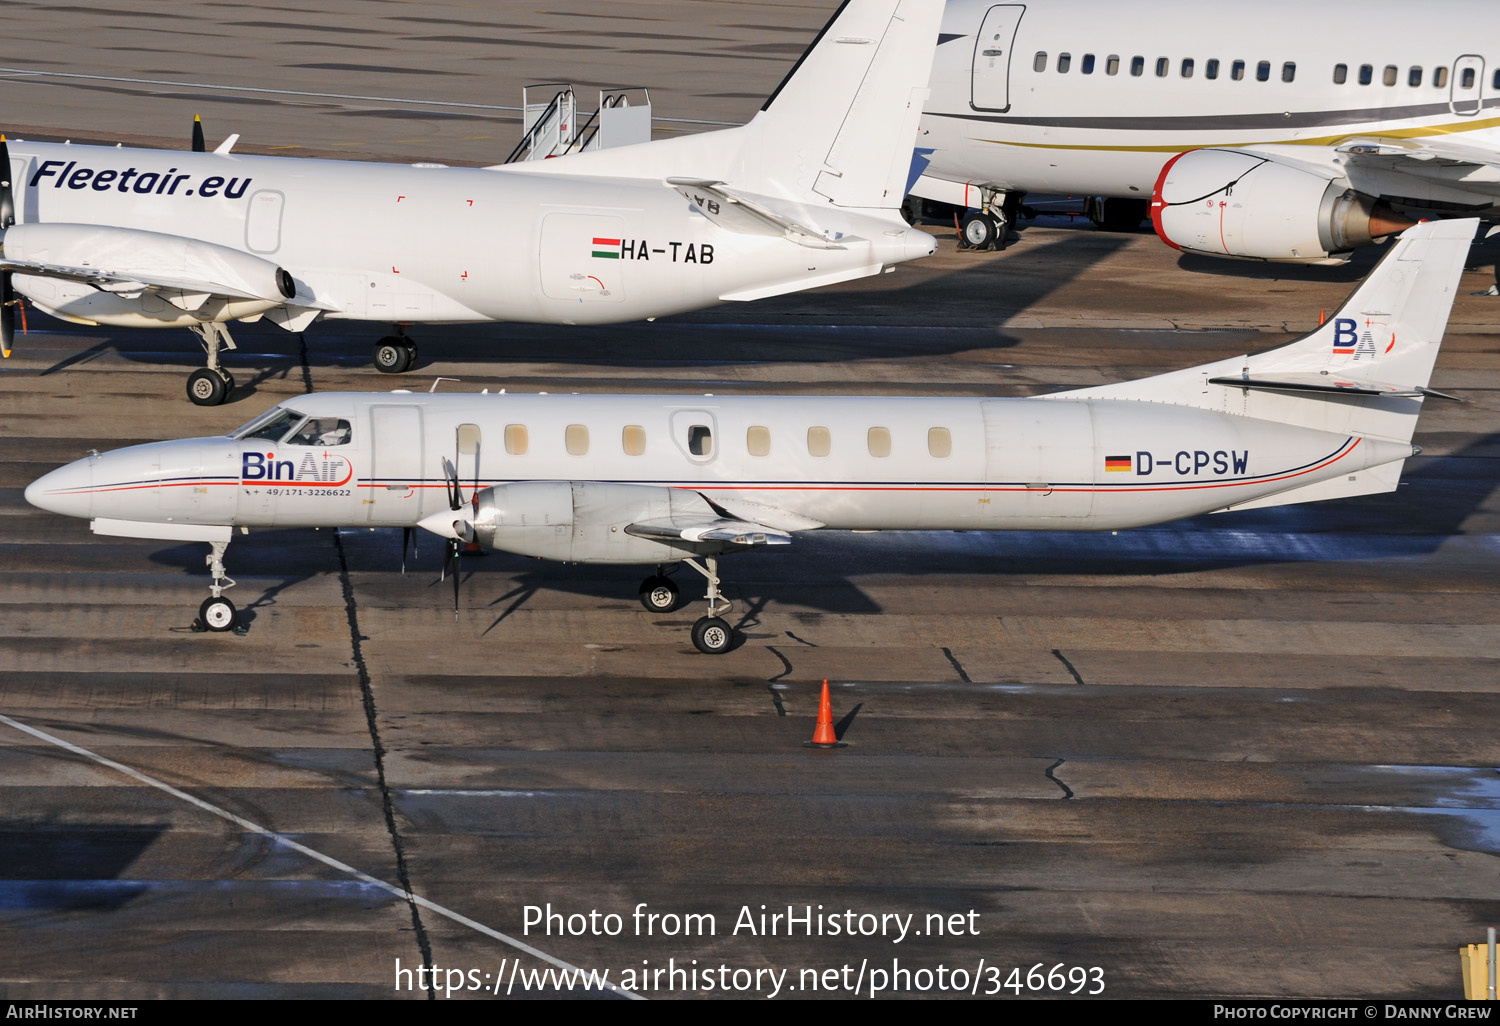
(824, 737)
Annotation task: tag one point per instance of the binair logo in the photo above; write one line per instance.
(311, 470)
(1348, 340)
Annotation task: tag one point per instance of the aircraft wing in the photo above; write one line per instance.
(709, 522)
(736, 213)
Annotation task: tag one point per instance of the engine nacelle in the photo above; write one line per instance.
(1242, 204)
(192, 280)
(581, 521)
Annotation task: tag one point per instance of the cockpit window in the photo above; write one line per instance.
(321, 431)
(271, 425)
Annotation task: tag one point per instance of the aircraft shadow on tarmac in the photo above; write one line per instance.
(1435, 502)
(71, 866)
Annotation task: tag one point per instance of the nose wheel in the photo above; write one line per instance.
(217, 613)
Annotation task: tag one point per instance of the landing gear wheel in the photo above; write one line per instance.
(712, 635)
(217, 614)
(658, 594)
(208, 387)
(391, 355)
(978, 231)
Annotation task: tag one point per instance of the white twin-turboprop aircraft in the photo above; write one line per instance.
(806, 194)
(682, 479)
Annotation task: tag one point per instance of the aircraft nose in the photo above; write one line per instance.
(67, 490)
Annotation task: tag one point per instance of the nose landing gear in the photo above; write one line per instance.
(217, 613)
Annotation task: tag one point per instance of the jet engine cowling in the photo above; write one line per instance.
(1244, 204)
(581, 521)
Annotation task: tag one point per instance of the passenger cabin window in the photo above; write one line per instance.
(1237, 70)
(515, 439)
(1112, 65)
(1211, 68)
(700, 440)
(1440, 78)
(1064, 62)
(1137, 66)
(1414, 77)
(633, 440)
(1187, 67)
(1087, 67)
(1162, 67)
(576, 438)
(758, 441)
(1263, 71)
(879, 442)
(1340, 74)
(321, 431)
(1495, 82)
(819, 442)
(1366, 74)
(1466, 80)
(1391, 74)
(939, 443)
(1288, 71)
(1039, 63)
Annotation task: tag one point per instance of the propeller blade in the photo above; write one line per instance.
(7, 314)
(7, 195)
(406, 538)
(455, 490)
(199, 146)
(458, 555)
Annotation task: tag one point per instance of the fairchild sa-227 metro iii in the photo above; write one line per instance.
(672, 479)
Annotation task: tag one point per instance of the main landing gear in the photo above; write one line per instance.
(711, 634)
(394, 354)
(211, 385)
(217, 613)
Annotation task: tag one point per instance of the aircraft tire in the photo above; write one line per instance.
(658, 594)
(391, 355)
(411, 354)
(978, 231)
(207, 387)
(712, 636)
(217, 614)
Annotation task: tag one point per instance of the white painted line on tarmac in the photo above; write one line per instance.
(317, 856)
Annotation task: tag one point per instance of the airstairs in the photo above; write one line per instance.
(554, 126)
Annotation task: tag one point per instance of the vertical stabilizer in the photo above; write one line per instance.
(1362, 372)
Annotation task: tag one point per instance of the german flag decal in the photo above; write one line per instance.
(1112, 463)
(609, 249)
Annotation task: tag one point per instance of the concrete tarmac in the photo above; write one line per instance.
(1245, 755)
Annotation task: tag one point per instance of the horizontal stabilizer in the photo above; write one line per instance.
(1317, 383)
(736, 213)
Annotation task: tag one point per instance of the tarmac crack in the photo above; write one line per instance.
(367, 694)
(1067, 791)
(957, 666)
(1064, 660)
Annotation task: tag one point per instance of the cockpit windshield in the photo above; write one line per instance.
(271, 425)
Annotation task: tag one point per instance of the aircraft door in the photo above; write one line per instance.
(1468, 85)
(1040, 458)
(992, 53)
(582, 256)
(394, 489)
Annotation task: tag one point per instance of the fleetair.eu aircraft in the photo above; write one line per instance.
(1280, 130)
(804, 195)
(661, 480)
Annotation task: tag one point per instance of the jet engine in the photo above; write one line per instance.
(1243, 204)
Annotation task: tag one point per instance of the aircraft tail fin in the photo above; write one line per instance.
(1364, 371)
(840, 127)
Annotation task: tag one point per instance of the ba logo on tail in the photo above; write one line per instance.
(1349, 341)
